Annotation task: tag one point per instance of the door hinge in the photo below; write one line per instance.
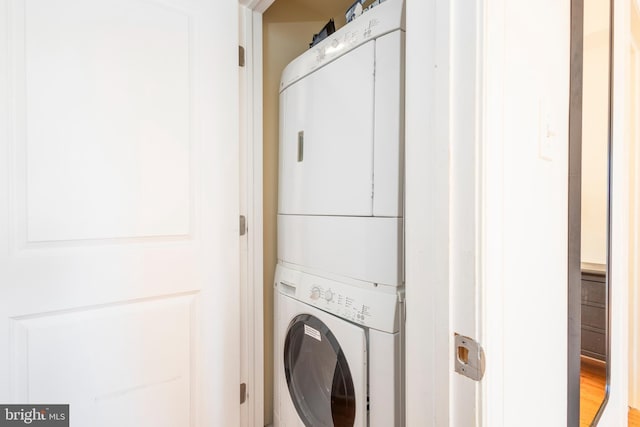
(243, 393)
(241, 56)
(469, 357)
(243, 225)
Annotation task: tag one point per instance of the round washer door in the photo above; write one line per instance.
(318, 375)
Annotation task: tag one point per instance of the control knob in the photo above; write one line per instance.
(328, 295)
(315, 293)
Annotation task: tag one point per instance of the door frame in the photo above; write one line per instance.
(251, 157)
(423, 402)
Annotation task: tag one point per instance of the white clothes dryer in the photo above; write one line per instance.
(341, 151)
(338, 353)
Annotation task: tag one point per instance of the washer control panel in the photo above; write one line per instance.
(372, 307)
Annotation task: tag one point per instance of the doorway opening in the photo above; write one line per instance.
(593, 198)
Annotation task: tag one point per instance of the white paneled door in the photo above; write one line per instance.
(119, 210)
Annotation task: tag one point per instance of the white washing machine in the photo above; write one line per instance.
(338, 353)
(340, 198)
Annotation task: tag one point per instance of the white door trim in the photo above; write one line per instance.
(491, 231)
(431, 397)
(251, 165)
(257, 6)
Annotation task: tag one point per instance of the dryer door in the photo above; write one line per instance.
(318, 374)
(326, 139)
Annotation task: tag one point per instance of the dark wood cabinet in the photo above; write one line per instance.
(594, 314)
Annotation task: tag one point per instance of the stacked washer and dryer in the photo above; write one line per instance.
(339, 309)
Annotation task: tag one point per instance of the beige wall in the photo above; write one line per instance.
(595, 126)
(288, 27)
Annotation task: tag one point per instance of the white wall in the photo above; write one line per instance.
(595, 132)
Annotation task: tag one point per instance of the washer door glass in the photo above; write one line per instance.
(318, 375)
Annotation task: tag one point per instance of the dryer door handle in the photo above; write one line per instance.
(300, 146)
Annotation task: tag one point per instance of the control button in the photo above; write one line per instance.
(315, 293)
(328, 295)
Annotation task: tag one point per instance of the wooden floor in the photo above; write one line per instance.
(592, 381)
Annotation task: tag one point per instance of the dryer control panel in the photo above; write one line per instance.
(370, 307)
(385, 18)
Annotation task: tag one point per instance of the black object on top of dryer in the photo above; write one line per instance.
(325, 32)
